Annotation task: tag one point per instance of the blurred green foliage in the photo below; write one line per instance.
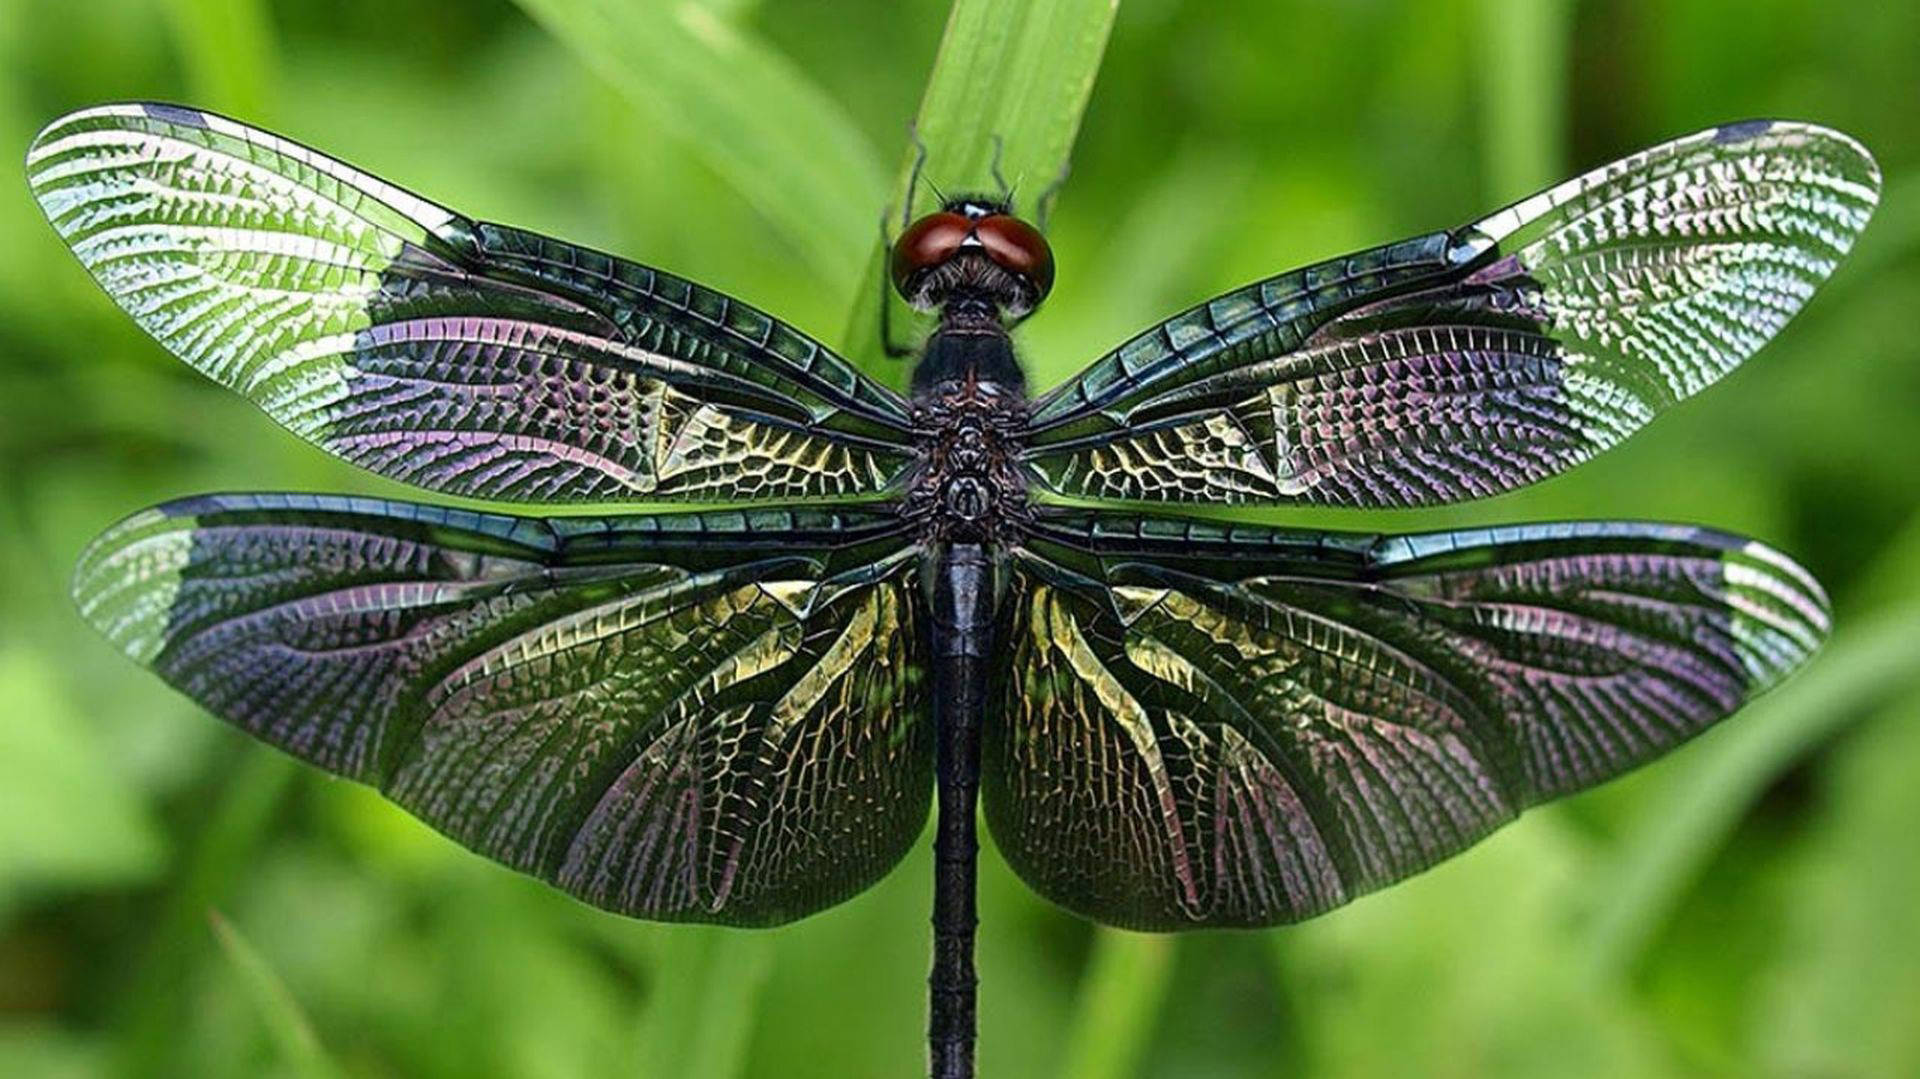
(1750, 906)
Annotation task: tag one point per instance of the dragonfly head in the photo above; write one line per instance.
(973, 247)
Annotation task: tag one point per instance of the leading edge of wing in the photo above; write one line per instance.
(156, 541)
(1769, 587)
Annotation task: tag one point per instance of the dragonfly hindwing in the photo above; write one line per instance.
(705, 717)
(1237, 727)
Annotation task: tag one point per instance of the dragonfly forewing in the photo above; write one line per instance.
(458, 356)
(1467, 363)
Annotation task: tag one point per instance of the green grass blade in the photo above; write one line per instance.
(1019, 71)
(286, 1023)
(1844, 989)
(754, 116)
(1120, 995)
(1009, 70)
(227, 841)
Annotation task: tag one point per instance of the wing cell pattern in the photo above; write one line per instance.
(1464, 364)
(459, 356)
(1230, 726)
(706, 717)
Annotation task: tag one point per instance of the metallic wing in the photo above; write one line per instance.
(1471, 362)
(457, 355)
(703, 717)
(1215, 725)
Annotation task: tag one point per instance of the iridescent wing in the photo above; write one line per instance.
(1210, 725)
(461, 356)
(1471, 362)
(702, 717)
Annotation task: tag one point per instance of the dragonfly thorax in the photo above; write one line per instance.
(968, 486)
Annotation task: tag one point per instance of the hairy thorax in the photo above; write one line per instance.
(968, 486)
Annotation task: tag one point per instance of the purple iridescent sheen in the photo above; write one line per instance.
(522, 684)
(1283, 720)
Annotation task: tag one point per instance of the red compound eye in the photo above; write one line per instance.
(927, 243)
(1017, 246)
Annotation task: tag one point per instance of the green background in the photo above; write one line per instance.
(1749, 906)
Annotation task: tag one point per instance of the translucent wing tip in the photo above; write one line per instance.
(127, 579)
(1776, 613)
(48, 141)
(1780, 614)
(1854, 174)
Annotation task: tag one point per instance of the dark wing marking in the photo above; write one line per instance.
(1233, 726)
(1471, 362)
(460, 356)
(702, 717)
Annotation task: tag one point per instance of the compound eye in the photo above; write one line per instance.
(927, 243)
(1019, 247)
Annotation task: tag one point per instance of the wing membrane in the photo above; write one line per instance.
(1230, 726)
(1468, 363)
(708, 717)
(460, 356)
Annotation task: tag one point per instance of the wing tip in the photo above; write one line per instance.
(1739, 131)
(1781, 616)
(50, 140)
(126, 579)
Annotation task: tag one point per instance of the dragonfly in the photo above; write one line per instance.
(958, 599)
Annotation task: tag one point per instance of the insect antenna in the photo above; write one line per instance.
(938, 195)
